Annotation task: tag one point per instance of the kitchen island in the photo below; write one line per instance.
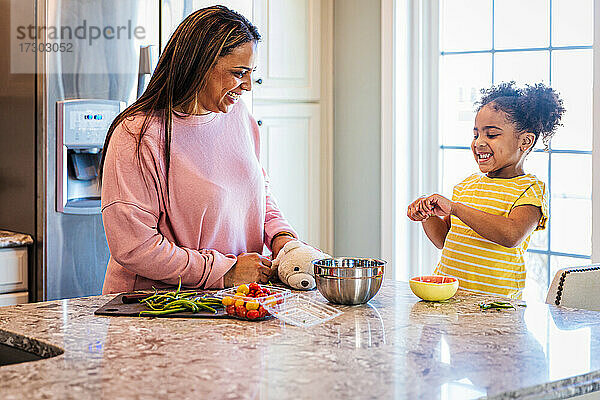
(394, 347)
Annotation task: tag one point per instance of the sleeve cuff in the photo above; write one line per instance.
(273, 228)
(222, 264)
(534, 201)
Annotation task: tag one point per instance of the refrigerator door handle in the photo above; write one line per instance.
(146, 68)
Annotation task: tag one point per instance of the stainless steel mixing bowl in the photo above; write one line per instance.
(347, 280)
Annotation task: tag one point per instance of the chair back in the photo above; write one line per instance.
(576, 287)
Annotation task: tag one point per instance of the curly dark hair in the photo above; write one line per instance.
(534, 108)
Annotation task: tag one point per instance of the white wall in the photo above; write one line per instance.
(357, 127)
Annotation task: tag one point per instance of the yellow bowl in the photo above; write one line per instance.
(434, 287)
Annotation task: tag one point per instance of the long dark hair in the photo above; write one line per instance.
(180, 74)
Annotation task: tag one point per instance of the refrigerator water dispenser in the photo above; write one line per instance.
(81, 127)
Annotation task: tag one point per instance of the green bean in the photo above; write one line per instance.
(496, 305)
(179, 286)
(180, 303)
(152, 297)
(176, 301)
(207, 307)
(215, 302)
(162, 312)
(153, 307)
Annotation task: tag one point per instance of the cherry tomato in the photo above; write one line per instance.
(243, 289)
(252, 305)
(254, 286)
(253, 314)
(279, 298)
(239, 303)
(241, 311)
(271, 300)
(230, 310)
(261, 311)
(227, 301)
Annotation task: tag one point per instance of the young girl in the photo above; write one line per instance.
(485, 230)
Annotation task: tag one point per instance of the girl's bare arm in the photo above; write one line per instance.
(506, 231)
(436, 229)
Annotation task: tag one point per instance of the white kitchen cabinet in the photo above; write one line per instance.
(13, 269)
(10, 299)
(292, 97)
(290, 154)
(289, 56)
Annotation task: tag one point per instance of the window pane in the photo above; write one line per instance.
(462, 76)
(521, 24)
(558, 262)
(536, 285)
(572, 22)
(460, 19)
(456, 166)
(539, 240)
(572, 74)
(571, 225)
(536, 163)
(522, 67)
(565, 183)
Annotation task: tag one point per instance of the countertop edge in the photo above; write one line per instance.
(560, 389)
(10, 239)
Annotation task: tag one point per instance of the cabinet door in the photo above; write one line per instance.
(10, 299)
(289, 54)
(13, 269)
(290, 154)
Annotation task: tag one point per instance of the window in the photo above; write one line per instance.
(484, 42)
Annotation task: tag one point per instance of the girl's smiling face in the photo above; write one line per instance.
(498, 148)
(231, 75)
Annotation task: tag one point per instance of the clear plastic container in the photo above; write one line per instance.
(243, 304)
(299, 310)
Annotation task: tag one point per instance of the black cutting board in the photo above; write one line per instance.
(117, 308)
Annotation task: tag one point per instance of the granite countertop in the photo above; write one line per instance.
(14, 239)
(394, 347)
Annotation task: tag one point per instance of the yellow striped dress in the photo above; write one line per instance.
(481, 265)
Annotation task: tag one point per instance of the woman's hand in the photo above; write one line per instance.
(250, 267)
(278, 244)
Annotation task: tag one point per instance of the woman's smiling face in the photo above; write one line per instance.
(228, 79)
(498, 148)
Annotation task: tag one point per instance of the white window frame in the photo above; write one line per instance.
(409, 95)
(596, 140)
(410, 158)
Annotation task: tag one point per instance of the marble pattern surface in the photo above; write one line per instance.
(14, 239)
(394, 347)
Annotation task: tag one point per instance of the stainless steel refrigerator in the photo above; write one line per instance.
(54, 69)
(67, 66)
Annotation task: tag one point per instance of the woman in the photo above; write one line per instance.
(183, 193)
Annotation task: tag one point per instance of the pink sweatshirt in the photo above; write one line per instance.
(217, 205)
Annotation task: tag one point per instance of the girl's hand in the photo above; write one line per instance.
(437, 205)
(417, 210)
